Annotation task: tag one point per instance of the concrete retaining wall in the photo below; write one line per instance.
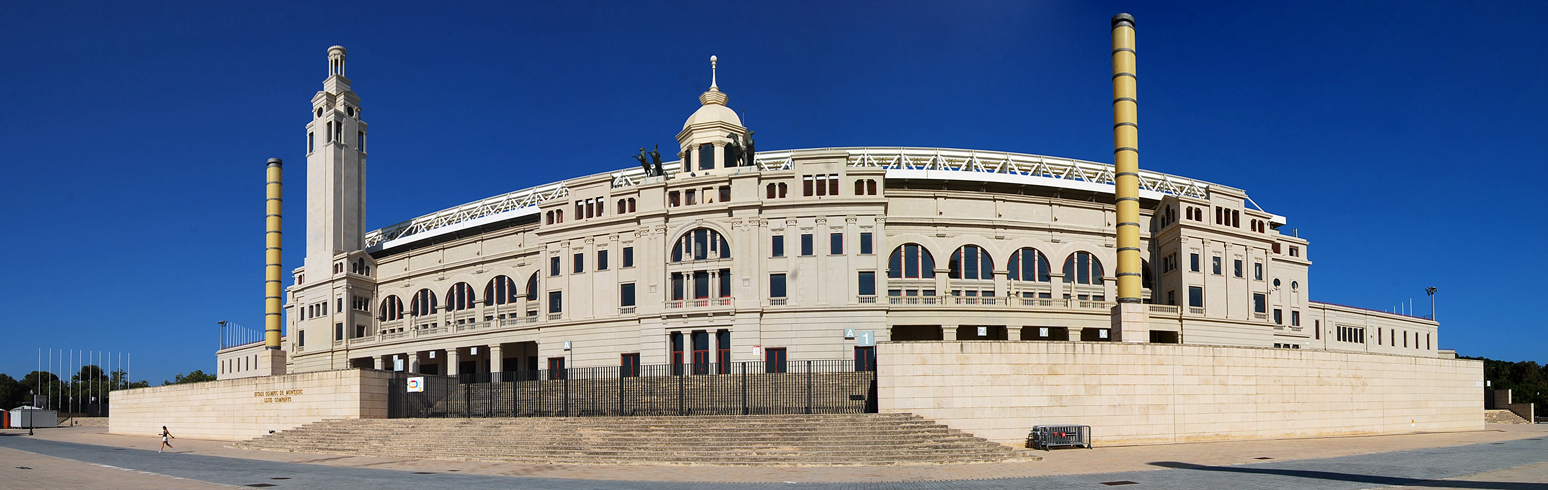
(1162, 393)
(240, 409)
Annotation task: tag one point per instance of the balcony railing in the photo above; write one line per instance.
(517, 320)
(1260, 316)
(866, 300)
(363, 340)
(1167, 309)
(1195, 310)
(778, 301)
(626, 310)
(555, 316)
(698, 303)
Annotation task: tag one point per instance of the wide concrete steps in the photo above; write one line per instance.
(802, 440)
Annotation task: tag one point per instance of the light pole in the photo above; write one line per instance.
(30, 413)
(1431, 292)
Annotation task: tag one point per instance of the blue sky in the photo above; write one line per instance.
(1400, 138)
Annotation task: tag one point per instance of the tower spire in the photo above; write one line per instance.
(712, 73)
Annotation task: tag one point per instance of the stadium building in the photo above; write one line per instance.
(730, 254)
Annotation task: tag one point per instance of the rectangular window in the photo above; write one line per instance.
(806, 185)
(1238, 267)
(865, 244)
(1279, 316)
(302, 340)
(806, 244)
(723, 351)
(690, 197)
(556, 368)
(777, 247)
(1171, 297)
(1295, 318)
(706, 158)
(555, 301)
(822, 185)
(580, 263)
(776, 285)
(725, 193)
(868, 283)
(833, 185)
(865, 359)
(725, 283)
(601, 260)
(1193, 262)
(1196, 296)
(360, 141)
(1257, 271)
(311, 142)
(338, 332)
(836, 243)
(701, 284)
(677, 286)
(774, 360)
(700, 340)
(677, 353)
(630, 365)
(626, 294)
(672, 199)
(1259, 303)
(1215, 264)
(628, 257)
(553, 266)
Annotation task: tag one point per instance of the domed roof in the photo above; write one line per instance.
(713, 112)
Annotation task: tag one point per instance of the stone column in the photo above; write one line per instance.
(379, 362)
(495, 361)
(411, 363)
(451, 362)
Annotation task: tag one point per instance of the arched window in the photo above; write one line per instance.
(500, 290)
(532, 287)
(1145, 280)
(423, 303)
(860, 187)
(1028, 264)
(392, 309)
(970, 262)
(1083, 268)
(622, 207)
(911, 261)
(459, 297)
(701, 244)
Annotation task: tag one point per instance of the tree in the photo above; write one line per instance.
(1528, 381)
(12, 393)
(196, 376)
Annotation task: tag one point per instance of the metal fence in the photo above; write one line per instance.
(741, 388)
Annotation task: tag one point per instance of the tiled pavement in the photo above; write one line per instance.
(1502, 457)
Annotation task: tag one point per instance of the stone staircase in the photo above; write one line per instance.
(745, 440)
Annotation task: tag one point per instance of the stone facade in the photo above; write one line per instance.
(782, 254)
(1153, 393)
(245, 408)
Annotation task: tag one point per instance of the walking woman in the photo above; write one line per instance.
(164, 444)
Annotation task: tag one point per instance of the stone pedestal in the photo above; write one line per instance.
(1131, 323)
(271, 362)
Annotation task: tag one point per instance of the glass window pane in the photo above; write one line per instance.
(911, 261)
(867, 283)
(776, 285)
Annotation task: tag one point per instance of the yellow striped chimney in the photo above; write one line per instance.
(1129, 317)
(271, 267)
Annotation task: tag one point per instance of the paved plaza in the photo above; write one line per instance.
(1506, 457)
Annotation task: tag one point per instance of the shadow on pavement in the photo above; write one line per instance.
(1352, 477)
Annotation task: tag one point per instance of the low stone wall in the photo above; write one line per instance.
(1166, 393)
(240, 409)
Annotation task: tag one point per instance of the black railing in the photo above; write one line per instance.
(740, 388)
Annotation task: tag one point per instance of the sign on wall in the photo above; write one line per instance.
(866, 338)
(416, 385)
